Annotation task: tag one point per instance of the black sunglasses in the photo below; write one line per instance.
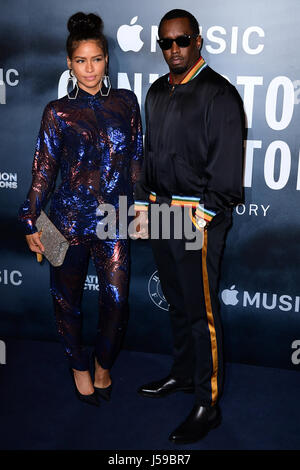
(181, 41)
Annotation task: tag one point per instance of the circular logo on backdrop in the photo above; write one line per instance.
(155, 292)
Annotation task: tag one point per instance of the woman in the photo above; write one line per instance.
(93, 137)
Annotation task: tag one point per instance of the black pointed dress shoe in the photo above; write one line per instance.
(91, 399)
(165, 386)
(198, 423)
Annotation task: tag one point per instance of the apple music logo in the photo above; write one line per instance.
(229, 296)
(128, 36)
(264, 300)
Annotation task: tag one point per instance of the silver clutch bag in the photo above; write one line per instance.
(54, 242)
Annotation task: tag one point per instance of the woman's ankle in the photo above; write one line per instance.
(83, 381)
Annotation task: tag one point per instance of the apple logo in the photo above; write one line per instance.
(229, 296)
(128, 36)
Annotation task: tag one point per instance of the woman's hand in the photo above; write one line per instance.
(140, 226)
(34, 243)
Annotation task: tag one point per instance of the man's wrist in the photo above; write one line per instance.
(202, 223)
(204, 215)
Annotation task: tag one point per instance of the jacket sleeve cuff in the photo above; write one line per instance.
(204, 213)
(140, 206)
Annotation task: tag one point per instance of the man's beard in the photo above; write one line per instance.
(178, 70)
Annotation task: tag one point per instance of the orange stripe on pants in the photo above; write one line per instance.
(211, 323)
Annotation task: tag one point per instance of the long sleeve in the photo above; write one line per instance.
(136, 143)
(44, 170)
(141, 195)
(225, 153)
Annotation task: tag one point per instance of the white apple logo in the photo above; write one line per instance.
(129, 36)
(229, 296)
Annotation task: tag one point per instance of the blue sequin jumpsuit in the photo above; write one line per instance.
(95, 142)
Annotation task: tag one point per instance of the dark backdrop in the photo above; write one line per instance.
(255, 45)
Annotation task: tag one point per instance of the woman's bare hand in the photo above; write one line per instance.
(140, 226)
(34, 243)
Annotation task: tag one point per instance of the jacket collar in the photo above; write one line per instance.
(192, 72)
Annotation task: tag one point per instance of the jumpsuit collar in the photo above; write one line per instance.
(84, 95)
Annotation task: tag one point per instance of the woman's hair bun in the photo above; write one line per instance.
(80, 22)
(84, 27)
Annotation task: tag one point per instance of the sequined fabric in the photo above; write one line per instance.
(110, 258)
(95, 143)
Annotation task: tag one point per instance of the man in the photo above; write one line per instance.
(194, 158)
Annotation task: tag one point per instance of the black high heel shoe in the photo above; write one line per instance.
(104, 393)
(91, 399)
